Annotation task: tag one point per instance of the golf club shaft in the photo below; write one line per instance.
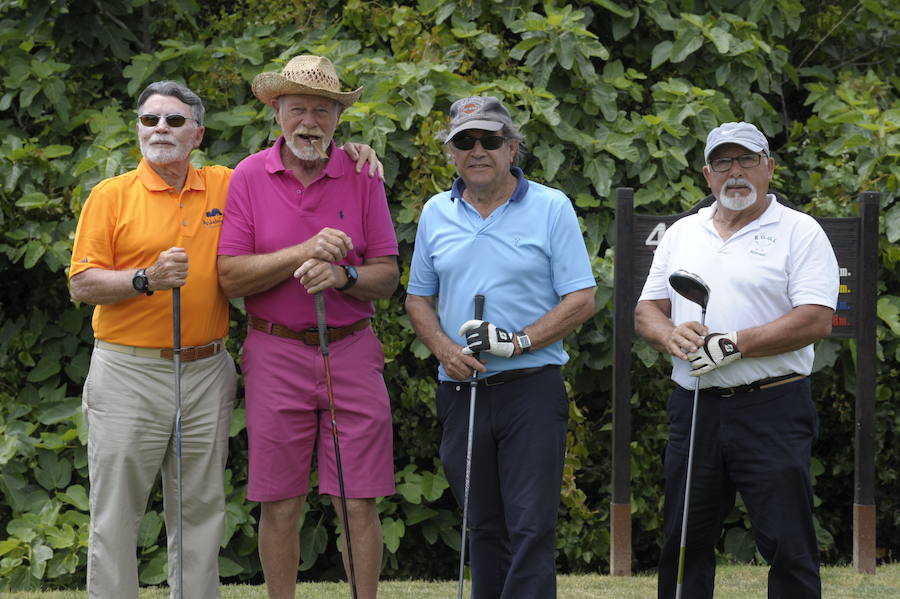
(176, 358)
(687, 481)
(323, 345)
(473, 385)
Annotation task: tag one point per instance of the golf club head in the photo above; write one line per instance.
(690, 286)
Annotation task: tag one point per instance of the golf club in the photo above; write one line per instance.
(479, 314)
(692, 288)
(323, 345)
(176, 358)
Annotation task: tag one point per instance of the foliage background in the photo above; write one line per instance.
(609, 93)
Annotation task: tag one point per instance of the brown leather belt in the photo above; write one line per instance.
(188, 354)
(754, 386)
(308, 336)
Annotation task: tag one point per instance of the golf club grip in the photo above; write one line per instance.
(320, 320)
(176, 319)
(479, 307)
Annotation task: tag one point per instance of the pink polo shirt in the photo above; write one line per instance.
(269, 209)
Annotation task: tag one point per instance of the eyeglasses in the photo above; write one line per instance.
(173, 120)
(722, 165)
(464, 141)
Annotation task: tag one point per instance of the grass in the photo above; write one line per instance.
(732, 582)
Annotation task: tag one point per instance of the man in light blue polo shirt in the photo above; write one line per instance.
(517, 243)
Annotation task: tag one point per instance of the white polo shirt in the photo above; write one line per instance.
(781, 260)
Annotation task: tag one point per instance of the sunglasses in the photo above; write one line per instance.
(174, 120)
(464, 141)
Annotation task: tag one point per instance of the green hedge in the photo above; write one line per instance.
(609, 94)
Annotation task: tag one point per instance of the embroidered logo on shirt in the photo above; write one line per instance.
(213, 218)
(761, 244)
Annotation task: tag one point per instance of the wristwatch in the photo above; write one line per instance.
(352, 277)
(140, 281)
(524, 341)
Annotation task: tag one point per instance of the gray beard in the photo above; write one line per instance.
(737, 202)
(163, 155)
(304, 154)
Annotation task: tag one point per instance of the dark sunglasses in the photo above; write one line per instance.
(464, 141)
(174, 120)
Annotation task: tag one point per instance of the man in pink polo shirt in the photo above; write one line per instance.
(300, 220)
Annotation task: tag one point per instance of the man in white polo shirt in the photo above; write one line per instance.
(773, 281)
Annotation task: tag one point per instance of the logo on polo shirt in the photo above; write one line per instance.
(761, 244)
(213, 218)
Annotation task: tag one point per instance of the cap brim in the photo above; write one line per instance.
(485, 125)
(268, 86)
(738, 142)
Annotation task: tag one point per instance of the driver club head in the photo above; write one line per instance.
(690, 286)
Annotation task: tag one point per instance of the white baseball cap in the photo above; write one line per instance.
(742, 134)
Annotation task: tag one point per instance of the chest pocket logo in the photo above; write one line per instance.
(762, 244)
(213, 218)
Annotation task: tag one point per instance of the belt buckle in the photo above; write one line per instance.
(488, 383)
(729, 392)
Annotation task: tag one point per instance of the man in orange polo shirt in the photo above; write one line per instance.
(139, 235)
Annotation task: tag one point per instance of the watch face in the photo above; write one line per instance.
(139, 282)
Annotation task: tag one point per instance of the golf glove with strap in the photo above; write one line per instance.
(483, 336)
(718, 349)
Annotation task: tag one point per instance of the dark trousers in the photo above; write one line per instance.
(517, 465)
(758, 444)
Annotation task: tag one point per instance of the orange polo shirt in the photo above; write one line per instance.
(126, 222)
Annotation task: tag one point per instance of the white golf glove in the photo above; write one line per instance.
(483, 336)
(718, 349)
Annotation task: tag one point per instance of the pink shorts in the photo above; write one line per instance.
(288, 417)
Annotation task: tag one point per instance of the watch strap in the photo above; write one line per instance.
(352, 277)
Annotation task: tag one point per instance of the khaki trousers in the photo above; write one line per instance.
(129, 409)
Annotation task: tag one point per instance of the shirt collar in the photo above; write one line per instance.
(153, 182)
(459, 186)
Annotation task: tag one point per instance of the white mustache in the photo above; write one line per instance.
(738, 181)
(160, 138)
(311, 132)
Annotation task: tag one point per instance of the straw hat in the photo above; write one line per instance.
(305, 74)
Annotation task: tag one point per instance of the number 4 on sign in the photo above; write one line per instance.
(656, 234)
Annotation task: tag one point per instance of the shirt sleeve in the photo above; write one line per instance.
(569, 261)
(423, 279)
(814, 276)
(381, 239)
(237, 237)
(94, 234)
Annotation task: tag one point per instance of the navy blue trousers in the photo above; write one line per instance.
(758, 444)
(517, 465)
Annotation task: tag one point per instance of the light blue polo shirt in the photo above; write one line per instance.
(526, 255)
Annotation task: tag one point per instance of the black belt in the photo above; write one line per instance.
(508, 376)
(754, 386)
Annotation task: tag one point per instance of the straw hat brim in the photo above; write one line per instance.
(268, 86)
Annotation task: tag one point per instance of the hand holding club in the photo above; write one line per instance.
(483, 336)
(718, 349)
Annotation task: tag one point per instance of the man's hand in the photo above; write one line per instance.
(170, 270)
(718, 350)
(317, 275)
(328, 245)
(362, 154)
(483, 336)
